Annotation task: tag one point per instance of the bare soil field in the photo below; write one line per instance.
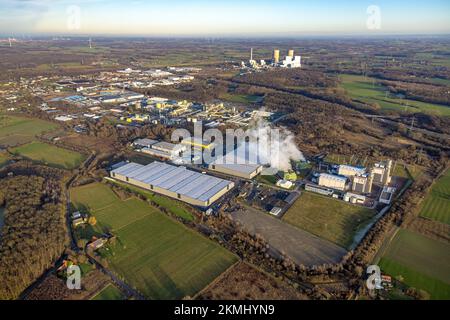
(244, 282)
(301, 246)
(54, 288)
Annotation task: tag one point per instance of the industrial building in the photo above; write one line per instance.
(362, 184)
(176, 182)
(349, 171)
(381, 172)
(319, 190)
(354, 198)
(387, 195)
(163, 150)
(144, 143)
(285, 184)
(198, 144)
(332, 181)
(292, 62)
(231, 165)
(169, 148)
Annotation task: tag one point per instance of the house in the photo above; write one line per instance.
(97, 244)
(76, 215)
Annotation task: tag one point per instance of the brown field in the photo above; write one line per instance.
(432, 229)
(244, 282)
(54, 288)
(301, 246)
(101, 145)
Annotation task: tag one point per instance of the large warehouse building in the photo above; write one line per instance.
(235, 165)
(176, 182)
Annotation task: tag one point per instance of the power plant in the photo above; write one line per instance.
(276, 56)
(290, 61)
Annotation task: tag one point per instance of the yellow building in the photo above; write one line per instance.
(276, 56)
(199, 144)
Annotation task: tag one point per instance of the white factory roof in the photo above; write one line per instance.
(352, 168)
(158, 153)
(175, 179)
(145, 142)
(167, 146)
(333, 177)
(238, 162)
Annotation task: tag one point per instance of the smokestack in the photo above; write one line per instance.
(251, 54)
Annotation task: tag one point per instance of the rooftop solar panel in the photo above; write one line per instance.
(124, 170)
(207, 185)
(190, 188)
(211, 192)
(161, 172)
(170, 175)
(176, 179)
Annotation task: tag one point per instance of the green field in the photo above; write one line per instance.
(422, 262)
(50, 155)
(366, 89)
(110, 292)
(437, 203)
(17, 130)
(328, 218)
(154, 253)
(173, 206)
(241, 98)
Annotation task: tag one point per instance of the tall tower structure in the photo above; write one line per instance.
(369, 182)
(276, 56)
(291, 53)
(387, 172)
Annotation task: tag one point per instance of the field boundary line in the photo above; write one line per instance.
(218, 278)
(136, 220)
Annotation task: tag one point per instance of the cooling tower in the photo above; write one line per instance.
(276, 56)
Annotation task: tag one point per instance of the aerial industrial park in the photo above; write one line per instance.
(209, 169)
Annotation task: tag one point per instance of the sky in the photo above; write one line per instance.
(221, 17)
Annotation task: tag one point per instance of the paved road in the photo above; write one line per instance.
(303, 247)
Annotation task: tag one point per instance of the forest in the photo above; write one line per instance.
(34, 233)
